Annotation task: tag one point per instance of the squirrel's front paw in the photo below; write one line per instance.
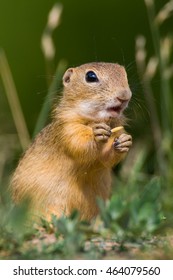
(101, 131)
(123, 142)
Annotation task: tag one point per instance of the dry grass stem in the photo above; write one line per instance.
(47, 44)
(164, 13)
(14, 102)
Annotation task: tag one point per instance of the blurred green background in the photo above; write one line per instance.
(89, 31)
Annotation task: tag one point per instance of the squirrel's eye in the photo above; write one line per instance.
(91, 77)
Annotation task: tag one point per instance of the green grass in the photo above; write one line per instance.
(137, 221)
(129, 226)
(124, 223)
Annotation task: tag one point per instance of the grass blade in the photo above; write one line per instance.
(13, 100)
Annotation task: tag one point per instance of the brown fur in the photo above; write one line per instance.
(65, 168)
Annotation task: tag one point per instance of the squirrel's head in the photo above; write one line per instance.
(97, 89)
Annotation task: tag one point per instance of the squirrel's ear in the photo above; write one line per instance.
(67, 76)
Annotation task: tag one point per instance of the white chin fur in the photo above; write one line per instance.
(104, 114)
(89, 110)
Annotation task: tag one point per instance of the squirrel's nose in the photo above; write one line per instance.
(122, 101)
(124, 95)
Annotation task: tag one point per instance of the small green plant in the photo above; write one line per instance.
(134, 213)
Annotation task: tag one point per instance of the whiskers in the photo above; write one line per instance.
(138, 107)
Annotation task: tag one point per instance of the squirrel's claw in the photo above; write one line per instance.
(123, 143)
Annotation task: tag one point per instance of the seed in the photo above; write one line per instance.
(115, 129)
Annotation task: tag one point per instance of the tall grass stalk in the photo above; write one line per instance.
(163, 53)
(47, 43)
(13, 100)
(161, 117)
(165, 83)
(53, 77)
(55, 85)
(146, 73)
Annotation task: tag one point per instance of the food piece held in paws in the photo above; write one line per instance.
(115, 129)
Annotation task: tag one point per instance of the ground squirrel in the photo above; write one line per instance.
(69, 163)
